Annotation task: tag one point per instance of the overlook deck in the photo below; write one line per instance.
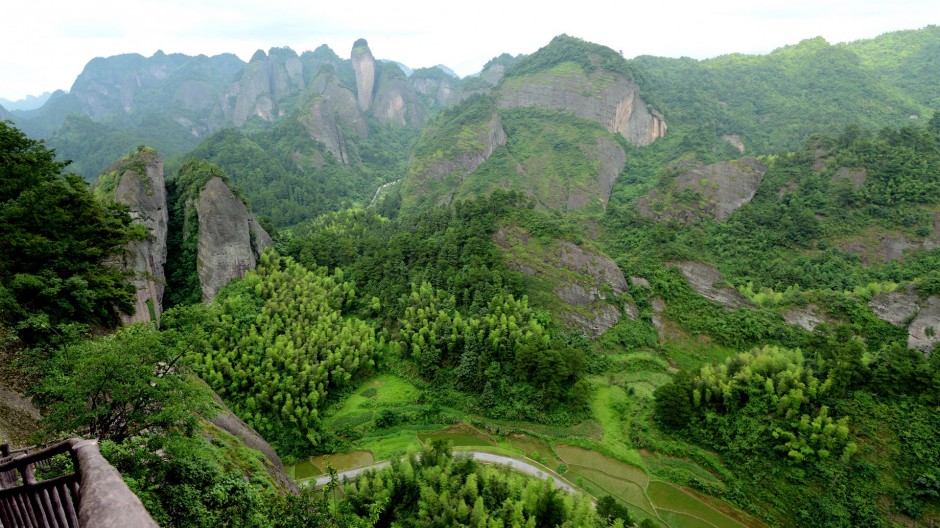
(93, 496)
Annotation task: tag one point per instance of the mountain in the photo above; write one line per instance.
(30, 102)
(555, 127)
(137, 181)
(907, 60)
(774, 101)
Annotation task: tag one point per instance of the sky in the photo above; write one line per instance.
(45, 44)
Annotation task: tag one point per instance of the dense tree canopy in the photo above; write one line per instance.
(56, 241)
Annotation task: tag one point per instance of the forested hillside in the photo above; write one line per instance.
(697, 293)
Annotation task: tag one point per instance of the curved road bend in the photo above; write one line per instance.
(486, 458)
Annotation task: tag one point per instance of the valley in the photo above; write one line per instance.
(692, 293)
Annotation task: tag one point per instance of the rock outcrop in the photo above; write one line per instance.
(705, 279)
(924, 332)
(436, 87)
(230, 239)
(856, 177)
(921, 316)
(331, 111)
(708, 191)
(603, 96)
(396, 102)
(19, 418)
(227, 421)
(141, 187)
(364, 65)
(806, 317)
(580, 279)
(442, 175)
(267, 80)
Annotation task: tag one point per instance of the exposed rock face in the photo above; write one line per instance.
(364, 66)
(580, 278)
(230, 239)
(879, 245)
(603, 96)
(332, 109)
(267, 80)
(610, 159)
(493, 74)
(703, 277)
(145, 194)
(18, 418)
(924, 332)
(857, 177)
(735, 141)
(897, 307)
(807, 318)
(489, 136)
(396, 102)
(232, 424)
(902, 306)
(438, 91)
(722, 188)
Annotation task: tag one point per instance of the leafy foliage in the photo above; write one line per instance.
(442, 489)
(120, 385)
(279, 345)
(55, 242)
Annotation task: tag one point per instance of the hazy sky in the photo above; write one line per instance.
(45, 44)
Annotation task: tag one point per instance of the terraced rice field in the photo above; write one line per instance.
(460, 435)
(667, 505)
(316, 465)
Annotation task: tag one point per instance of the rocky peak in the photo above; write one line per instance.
(364, 65)
(331, 111)
(396, 101)
(138, 182)
(267, 81)
(436, 87)
(230, 238)
(589, 81)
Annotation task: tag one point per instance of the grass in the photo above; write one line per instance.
(316, 465)
(383, 391)
(576, 456)
(682, 520)
(672, 499)
(535, 449)
(460, 435)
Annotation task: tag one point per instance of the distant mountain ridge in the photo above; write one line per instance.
(30, 102)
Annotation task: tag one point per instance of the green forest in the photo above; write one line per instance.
(430, 295)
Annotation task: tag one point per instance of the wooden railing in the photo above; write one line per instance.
(93, 496)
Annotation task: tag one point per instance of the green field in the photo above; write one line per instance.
(669, 498)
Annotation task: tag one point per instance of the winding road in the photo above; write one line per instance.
(486, 458)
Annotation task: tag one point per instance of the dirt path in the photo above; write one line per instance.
(486, 458)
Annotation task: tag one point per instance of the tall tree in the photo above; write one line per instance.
(55, 242)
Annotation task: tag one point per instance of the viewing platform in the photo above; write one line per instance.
(93, 496)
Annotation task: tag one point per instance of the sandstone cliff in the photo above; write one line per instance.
(364, 66)
(707, 281)
(921, 316)
(265, 83)
(708, 191)
(439, 173)
(227, 421)
(436, 87)
(603, 96)
(396, 102)
(139, 183)
(230, 239)
(575, 282)
(330, 112)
